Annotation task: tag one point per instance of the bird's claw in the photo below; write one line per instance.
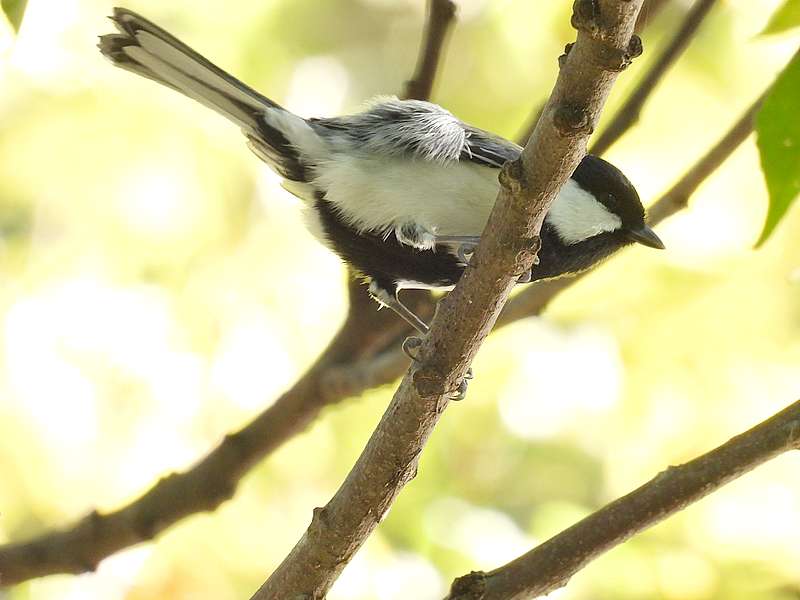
(524, 278)
(461, 392)
(411, 347)
(465, 252)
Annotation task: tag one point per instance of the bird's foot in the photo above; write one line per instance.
(461, 392)
(411, 347)
(465, 252)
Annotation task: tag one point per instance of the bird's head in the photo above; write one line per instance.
(599, 199)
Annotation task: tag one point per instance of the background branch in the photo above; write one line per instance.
(629, 113)
(441, 14)
(508, 247)
(551, 564)
(647, 15)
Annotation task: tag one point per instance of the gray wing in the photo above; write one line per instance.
(419, 129)
(488, 149)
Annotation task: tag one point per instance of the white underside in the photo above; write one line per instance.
(455, 199)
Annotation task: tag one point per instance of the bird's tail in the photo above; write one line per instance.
(277, 136)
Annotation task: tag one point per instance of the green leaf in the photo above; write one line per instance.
(785, 18)
(15, 10)
(778, 129)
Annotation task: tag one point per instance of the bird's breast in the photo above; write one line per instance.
(381, 193)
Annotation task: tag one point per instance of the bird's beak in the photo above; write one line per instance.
(646, 236)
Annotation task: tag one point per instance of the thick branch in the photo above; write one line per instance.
(550, 565)
(441, 14)
(630, 111)
(508, 247)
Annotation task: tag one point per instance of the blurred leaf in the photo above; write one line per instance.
(15, 10)
(778, 130)
(785, 18)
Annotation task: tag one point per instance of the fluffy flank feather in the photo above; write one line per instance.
(395, 127)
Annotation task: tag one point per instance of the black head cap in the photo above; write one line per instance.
(612, 189)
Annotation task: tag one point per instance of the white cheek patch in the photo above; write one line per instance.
(576, 215)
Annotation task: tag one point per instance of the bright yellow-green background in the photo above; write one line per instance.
(157, 290)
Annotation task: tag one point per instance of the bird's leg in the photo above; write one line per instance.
(411, 343)
(390, 300)
(465, 248)
(464, 244)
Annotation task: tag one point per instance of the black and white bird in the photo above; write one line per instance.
(401, 191)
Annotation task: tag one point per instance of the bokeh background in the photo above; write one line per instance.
(157, 290)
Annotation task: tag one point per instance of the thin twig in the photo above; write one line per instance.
(678, 196)
(629, 113)
(650, 10)
(508, 248)
(551, 564)
(441, 14)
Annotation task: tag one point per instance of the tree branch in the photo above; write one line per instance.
(650, 9)
(631, 110)
(649, 12)
(551, 564)
(508, 248)
(678, 196)
(441, 14)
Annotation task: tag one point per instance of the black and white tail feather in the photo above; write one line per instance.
(147, 50)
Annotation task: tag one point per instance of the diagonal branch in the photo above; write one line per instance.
(508, 248)
(629, 113)
(441, 14)
(550, 565)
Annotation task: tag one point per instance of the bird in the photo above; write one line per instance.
(400, 191)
